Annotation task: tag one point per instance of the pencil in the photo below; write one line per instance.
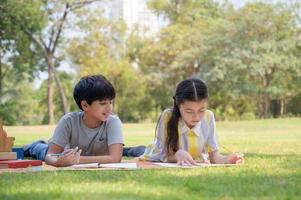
(227, 149)
(56, 154)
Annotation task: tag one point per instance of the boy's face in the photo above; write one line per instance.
(192, 111)
(99, 110)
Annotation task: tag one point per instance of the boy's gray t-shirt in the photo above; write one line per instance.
(71, 132)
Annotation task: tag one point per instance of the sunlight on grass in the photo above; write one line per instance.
(272, 169)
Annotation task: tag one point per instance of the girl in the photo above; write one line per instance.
(186, 133)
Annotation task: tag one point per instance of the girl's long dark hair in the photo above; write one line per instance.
(192, 89)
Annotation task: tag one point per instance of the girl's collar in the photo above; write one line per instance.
(184, 129)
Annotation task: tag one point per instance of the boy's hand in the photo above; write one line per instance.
(70, 157)
(184, 158)
(235, 158)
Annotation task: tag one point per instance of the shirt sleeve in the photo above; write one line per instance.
(212, 144)
(114, 131)
(157, 151)
(62, 133)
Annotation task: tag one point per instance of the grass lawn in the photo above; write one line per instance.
(272, 169)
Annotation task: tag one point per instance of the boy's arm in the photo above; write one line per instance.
(115, 155)
(52, 160)
(69, 157)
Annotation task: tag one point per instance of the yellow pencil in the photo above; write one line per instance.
(227, 149)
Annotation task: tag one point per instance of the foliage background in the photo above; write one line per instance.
(249, 57)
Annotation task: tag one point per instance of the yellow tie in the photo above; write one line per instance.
(193, 144)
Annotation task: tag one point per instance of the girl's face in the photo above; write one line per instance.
(100, 110)
(193, 111)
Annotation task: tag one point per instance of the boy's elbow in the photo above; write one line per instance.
(51, 162)
(116, 159)
(48, 162)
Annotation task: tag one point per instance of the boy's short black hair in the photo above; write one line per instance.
(91, 88)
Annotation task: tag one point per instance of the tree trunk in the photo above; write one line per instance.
(285, 102)
(61, 91)
(51, 70)
(266, 96)
(0, 68)
(282, 103)
(0, 76)
(266, 105)
(50, 97)
(259, 104)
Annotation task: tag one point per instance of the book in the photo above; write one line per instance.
(175, 165)
(4, 164)
(123, 165)
(8, 155)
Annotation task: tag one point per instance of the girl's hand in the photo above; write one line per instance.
(70, 157)
(184, 158)
(235, 158)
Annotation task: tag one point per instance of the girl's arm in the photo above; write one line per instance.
(233, 158)
(181, 157)
(115, 155)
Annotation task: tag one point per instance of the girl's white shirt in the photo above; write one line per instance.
(205, 130)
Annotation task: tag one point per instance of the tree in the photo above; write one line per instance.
(47, 38)
(16, 53)
(17, 105)
(68, 82)
(101, 50)
(173, 54)
(263, 50)
(244, 55)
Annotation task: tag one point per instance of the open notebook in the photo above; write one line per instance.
(123, 165)
(175, 165)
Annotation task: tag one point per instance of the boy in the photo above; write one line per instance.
(91, 135)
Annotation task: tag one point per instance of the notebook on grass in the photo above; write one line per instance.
(175, 165)
(123, 165)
